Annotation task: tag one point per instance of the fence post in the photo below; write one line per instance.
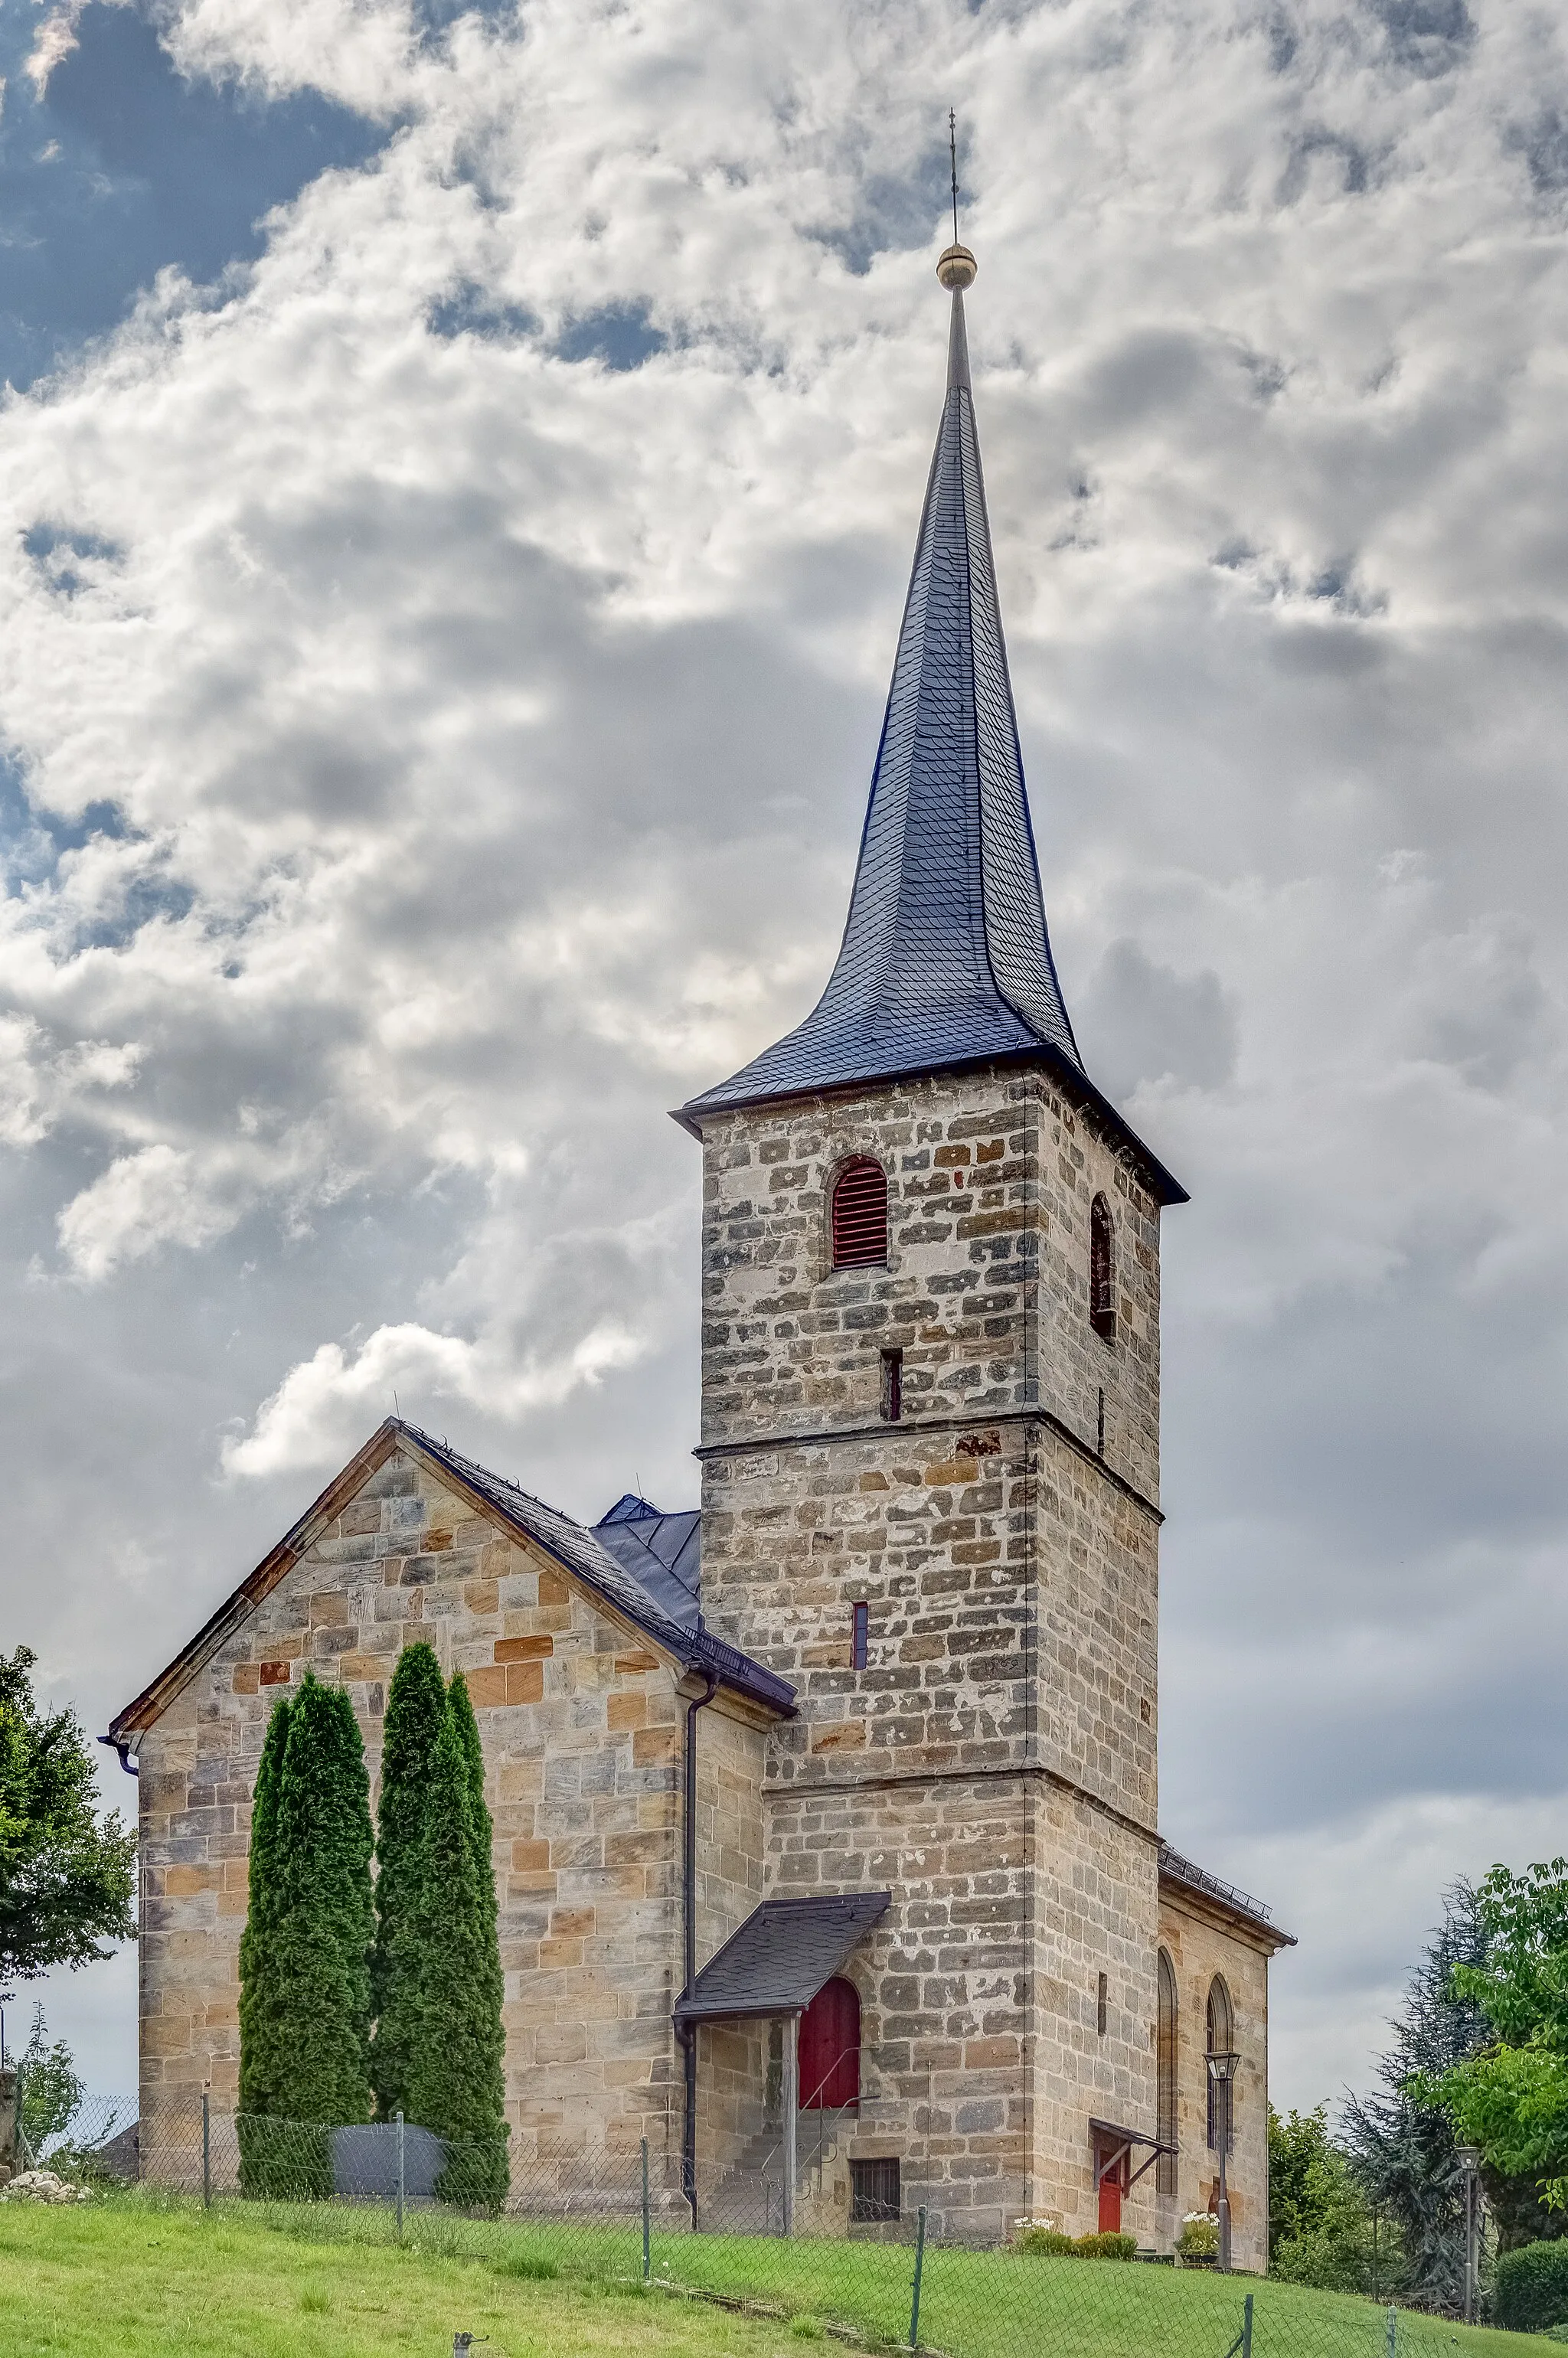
(647, 2269)
(919, 2263)
(399, 2118)
(790, 2115)
(1393, 2333)
(206, 2150)
(1247, 2327)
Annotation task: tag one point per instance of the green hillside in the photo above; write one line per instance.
(133, 2275)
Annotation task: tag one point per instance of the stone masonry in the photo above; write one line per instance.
(581, 1721)
(994, 1764)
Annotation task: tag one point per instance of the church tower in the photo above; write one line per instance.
(930, 1450)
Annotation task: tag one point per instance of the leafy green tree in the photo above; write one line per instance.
(52, 2088)
(402, 1968)
(1511, 2098)
(263, 2008)
(66, 1875)
(457, 2084)
(1321, 2230)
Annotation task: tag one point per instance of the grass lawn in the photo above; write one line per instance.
(139, 2277)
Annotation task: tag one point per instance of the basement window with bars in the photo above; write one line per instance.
(860, 1215)
(874, 2192)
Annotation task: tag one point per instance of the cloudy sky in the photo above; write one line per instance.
(455, 497)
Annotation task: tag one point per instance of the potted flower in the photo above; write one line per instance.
(1197, 2245)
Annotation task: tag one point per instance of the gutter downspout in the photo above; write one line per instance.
(686, 2031)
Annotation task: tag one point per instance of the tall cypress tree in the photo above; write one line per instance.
(416, 1709)
(457, 2086)
(260, 1997)
(324, 1924)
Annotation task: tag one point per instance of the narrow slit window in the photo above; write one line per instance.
(1165, 2120)
(862, 1632)
(1102, 2004)
(892, 1387)
(860, 1217)
(1221, 2029)
(1102, 1270)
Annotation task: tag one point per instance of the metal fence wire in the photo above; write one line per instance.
(884, 2281)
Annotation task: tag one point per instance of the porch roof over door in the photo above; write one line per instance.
(782, 1955)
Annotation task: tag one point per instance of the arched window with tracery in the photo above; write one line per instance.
(1165, 2072)
(860, 1215)
(1102, 1270)
(1221, 2041)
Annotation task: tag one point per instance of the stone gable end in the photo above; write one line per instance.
(580, 1722)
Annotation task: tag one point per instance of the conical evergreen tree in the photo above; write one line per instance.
(415, 1711)
(324, 1925)
(467, 1726)
(457, 2084)
(259, 1992)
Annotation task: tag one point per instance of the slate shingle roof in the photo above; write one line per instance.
(584, 1552)
(782, 1955)
(945, 959)
(666, 1608)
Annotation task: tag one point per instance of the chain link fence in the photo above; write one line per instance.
(875, 2272)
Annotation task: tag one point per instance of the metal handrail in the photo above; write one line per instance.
(804, 2104)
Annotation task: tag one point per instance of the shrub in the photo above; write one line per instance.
(1049, 2240)
(1107, 2246)
(1532, 2287)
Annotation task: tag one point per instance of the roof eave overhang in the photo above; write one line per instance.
(1256, 1930)
(129, 1725)
(1163, 1184)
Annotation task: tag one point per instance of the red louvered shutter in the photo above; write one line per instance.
(860, 1214)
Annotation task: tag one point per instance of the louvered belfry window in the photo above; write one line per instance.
(860, 1214)
(1102, 1270)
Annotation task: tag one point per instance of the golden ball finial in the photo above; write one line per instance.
(957, 269)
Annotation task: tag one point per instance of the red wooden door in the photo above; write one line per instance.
(1112, 2176)
(830, 2048)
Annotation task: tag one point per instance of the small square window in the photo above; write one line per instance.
(863, 1632)
(874, 2193)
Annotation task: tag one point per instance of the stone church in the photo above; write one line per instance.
(826, 1818)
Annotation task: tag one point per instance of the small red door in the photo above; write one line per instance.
(831, 2049)
(1112, 2176)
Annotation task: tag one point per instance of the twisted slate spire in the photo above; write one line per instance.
(946, 959)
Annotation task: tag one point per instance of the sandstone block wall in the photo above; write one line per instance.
(1010, 1583)
(581, 1725)
(1201, 1944)
(991, 1177)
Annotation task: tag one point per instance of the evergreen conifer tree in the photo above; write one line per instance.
(259, 2007)
(319, 1937)
(400, 1964)
(257, 1973)
(457, 2083)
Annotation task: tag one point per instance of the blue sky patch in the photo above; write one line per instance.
(619, 334)
(122, 169)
